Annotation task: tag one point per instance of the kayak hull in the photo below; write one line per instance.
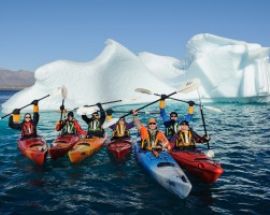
(34, 148)
(165, 171)
(199, 165)
(85, 148)
(120, 148)
(62, 145)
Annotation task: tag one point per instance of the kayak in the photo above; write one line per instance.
(198, 164)
(34, 148)
(120, 148)
(165, 171)
(85, 148)
(62, 145)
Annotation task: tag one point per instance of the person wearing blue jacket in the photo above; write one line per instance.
(173, 121)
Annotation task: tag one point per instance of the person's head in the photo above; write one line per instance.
(173, 116)
(152, 123)
(95, 115)
(184, 126)
(121, 121)
(70, 115)
(27, 117)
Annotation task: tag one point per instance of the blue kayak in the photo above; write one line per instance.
(165, 171)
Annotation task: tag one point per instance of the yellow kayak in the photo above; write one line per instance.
(85, 148)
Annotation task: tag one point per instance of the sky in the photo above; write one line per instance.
(36, 32)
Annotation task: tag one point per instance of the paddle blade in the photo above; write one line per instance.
(64, 92)
(189, 86)
(213, 109)
(210, 153)
(144, 91)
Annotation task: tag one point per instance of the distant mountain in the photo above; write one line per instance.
(16, 80)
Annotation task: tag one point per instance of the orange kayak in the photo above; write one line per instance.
(85, 148)
(62, 145)
(34, 148)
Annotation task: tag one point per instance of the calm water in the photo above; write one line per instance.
(101, 186)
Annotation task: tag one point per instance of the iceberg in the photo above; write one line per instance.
(228, 69)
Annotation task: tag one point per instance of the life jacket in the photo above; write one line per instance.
(28, 129)
(121, 131)
(172, 129)
(94, 125)
(69, 127)
(151, 141)
(184, 138)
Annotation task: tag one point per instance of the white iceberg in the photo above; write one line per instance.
(227, 69)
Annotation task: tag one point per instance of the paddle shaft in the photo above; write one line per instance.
(103, 103)
(44, 97)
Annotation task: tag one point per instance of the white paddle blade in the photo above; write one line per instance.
(144, 91)
(213, 109)
(86, 110)
(190, 86)
(64, 92)
(210, 153)
(109, 123)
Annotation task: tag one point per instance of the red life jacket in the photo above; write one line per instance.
(28, 129)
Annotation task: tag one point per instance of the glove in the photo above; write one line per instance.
(62, 108)
(191, 103)
(16, 111)
(134, 112)
(163, 96)
(34, 102)
(162, 104)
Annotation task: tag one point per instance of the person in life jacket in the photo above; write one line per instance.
(28, 125)
(152, 139)
(95, 123)
(121, 129)
(173, 121)
(186, 137)
(69, 125)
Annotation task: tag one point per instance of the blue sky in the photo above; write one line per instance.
(35, 32)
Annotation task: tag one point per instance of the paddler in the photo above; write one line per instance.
(95, 123)
(121, 129)
(173, 121)
(70, 125)
(186, 137)
(28, 125)
(152, 139)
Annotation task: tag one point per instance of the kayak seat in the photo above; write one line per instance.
(164, 164)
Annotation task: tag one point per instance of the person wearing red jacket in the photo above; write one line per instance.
(28, 126)
(70, 126)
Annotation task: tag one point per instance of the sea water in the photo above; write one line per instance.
(240, 138)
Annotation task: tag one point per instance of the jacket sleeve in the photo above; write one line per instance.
(130, 125)
(11, 124)
(164, 115)
(79, 129)
(59, 126)
(86, 119)
(35, 118)
(197, 138)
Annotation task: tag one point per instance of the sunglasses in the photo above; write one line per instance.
(27, 117)
(152, 123)
(173, 116)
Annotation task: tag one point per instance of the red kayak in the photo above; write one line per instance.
(34, 148)
(62, 145)
(120, 148)
(198, 164)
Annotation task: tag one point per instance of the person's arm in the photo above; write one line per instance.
(102, 114)
(79, 129)
(163, 114)
(86, 119)
(35, 112)
(164, 141)
(137, 123)
(199, 139)
(130, 125)
(59, 125)
(14, 120)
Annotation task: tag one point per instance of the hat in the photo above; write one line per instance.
(70, 114)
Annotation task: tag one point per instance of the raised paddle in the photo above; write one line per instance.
(186, 88)
(64, 96)
(44, 97)
(149, 92)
